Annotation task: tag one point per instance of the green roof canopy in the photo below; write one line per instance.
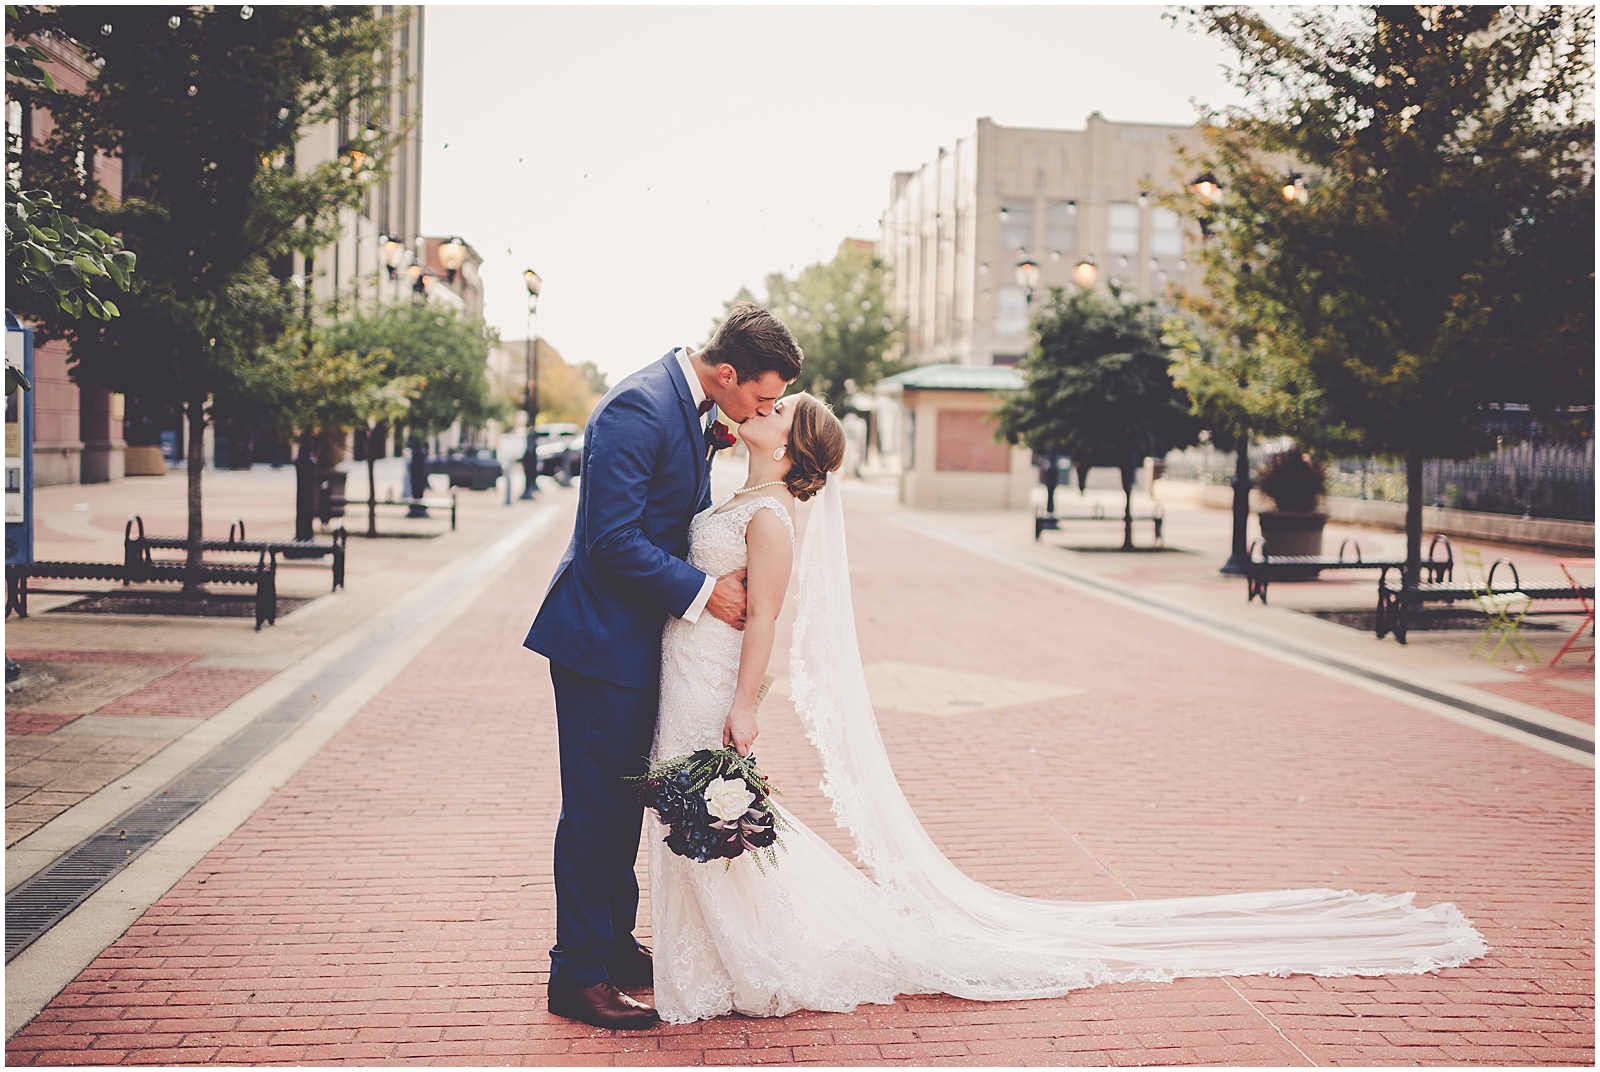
(955, 378)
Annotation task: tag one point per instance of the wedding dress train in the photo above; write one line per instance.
(817, 933)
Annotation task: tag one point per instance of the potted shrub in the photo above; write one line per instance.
(1294, 482)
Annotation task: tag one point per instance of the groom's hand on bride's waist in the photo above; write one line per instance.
(727, 599)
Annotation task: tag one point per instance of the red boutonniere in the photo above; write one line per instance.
(717, 437)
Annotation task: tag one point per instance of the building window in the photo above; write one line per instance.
(1122, 229)
(1016, 225)
(1166, 237)
(1061, 226)
(1007, 359)
(1012, 316)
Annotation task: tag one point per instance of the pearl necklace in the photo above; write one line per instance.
(758, 487)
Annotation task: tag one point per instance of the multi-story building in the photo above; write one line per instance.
(382, 239)
(1064, 200)
(77, 433)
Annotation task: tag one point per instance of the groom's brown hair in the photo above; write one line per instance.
(754, 341)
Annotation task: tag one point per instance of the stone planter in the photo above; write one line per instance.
(144, 461)
(1292, 532)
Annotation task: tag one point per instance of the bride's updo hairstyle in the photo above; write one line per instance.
(815, 448)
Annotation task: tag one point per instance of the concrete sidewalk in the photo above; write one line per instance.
(392, 900)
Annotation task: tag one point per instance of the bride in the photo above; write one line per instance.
(817, 933)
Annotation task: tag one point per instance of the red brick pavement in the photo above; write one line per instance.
(35, 723)
(188, 692)
(185, 692)
(125, 658)
(393, 902)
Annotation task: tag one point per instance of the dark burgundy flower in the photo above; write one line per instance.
(718, 437)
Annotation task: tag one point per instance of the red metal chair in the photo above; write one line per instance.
(1567, 566)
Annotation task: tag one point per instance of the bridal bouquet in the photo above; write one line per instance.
(716, 805)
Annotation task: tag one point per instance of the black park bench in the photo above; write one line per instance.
(1053, 521)
(263, 574)
(137, 545)
(1260, 571)
(1399, 602)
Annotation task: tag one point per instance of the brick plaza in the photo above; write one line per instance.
(392, 900)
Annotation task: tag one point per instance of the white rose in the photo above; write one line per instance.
(728, 800)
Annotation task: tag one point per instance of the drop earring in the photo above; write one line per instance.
(778, 454)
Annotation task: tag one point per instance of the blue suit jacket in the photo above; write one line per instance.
(645, 475)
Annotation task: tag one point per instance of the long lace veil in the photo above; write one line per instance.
(988, 944)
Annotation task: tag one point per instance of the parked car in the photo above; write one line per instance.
(560, 451)
(470, 468)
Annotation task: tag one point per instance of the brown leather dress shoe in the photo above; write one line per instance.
(633, 969)
(603, 1005)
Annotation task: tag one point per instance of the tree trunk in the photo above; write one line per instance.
(374, 435)
(1413, 516)
(193, 585)
(419, 475)
(1052, 477)
(1127, 507)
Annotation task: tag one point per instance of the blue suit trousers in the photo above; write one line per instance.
(605, 735)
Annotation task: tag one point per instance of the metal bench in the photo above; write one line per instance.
(1046, 520)
(328, 502)
(143, 570)
(1397, 601)
(1259, 572)
(137, 546)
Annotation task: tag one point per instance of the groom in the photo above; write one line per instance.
(646, 472)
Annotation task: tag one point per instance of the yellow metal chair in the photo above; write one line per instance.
(1504, 608)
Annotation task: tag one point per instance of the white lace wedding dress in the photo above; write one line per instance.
(817, 933)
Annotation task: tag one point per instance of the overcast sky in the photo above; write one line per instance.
(646, 161)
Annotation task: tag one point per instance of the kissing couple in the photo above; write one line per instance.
(659, 627)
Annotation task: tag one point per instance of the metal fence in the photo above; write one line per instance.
(1533, 478)
(1207, 465)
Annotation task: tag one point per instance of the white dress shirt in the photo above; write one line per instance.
(698, 393)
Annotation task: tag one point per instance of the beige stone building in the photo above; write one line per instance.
(381, 240)
(957, 227)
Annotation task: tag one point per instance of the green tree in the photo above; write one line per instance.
(1443, 257)
(303, 386)
(206, 106)
(445, 350)
(1242, 381)
(839, 313)
(1099, 388)
(52, 264)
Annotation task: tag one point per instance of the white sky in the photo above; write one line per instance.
(646, 161)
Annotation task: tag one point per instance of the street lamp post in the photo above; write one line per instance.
(393, 248)
(530, 458)
(1209, 191)
(1085, 272)
(1027, 276)
(452, 255)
